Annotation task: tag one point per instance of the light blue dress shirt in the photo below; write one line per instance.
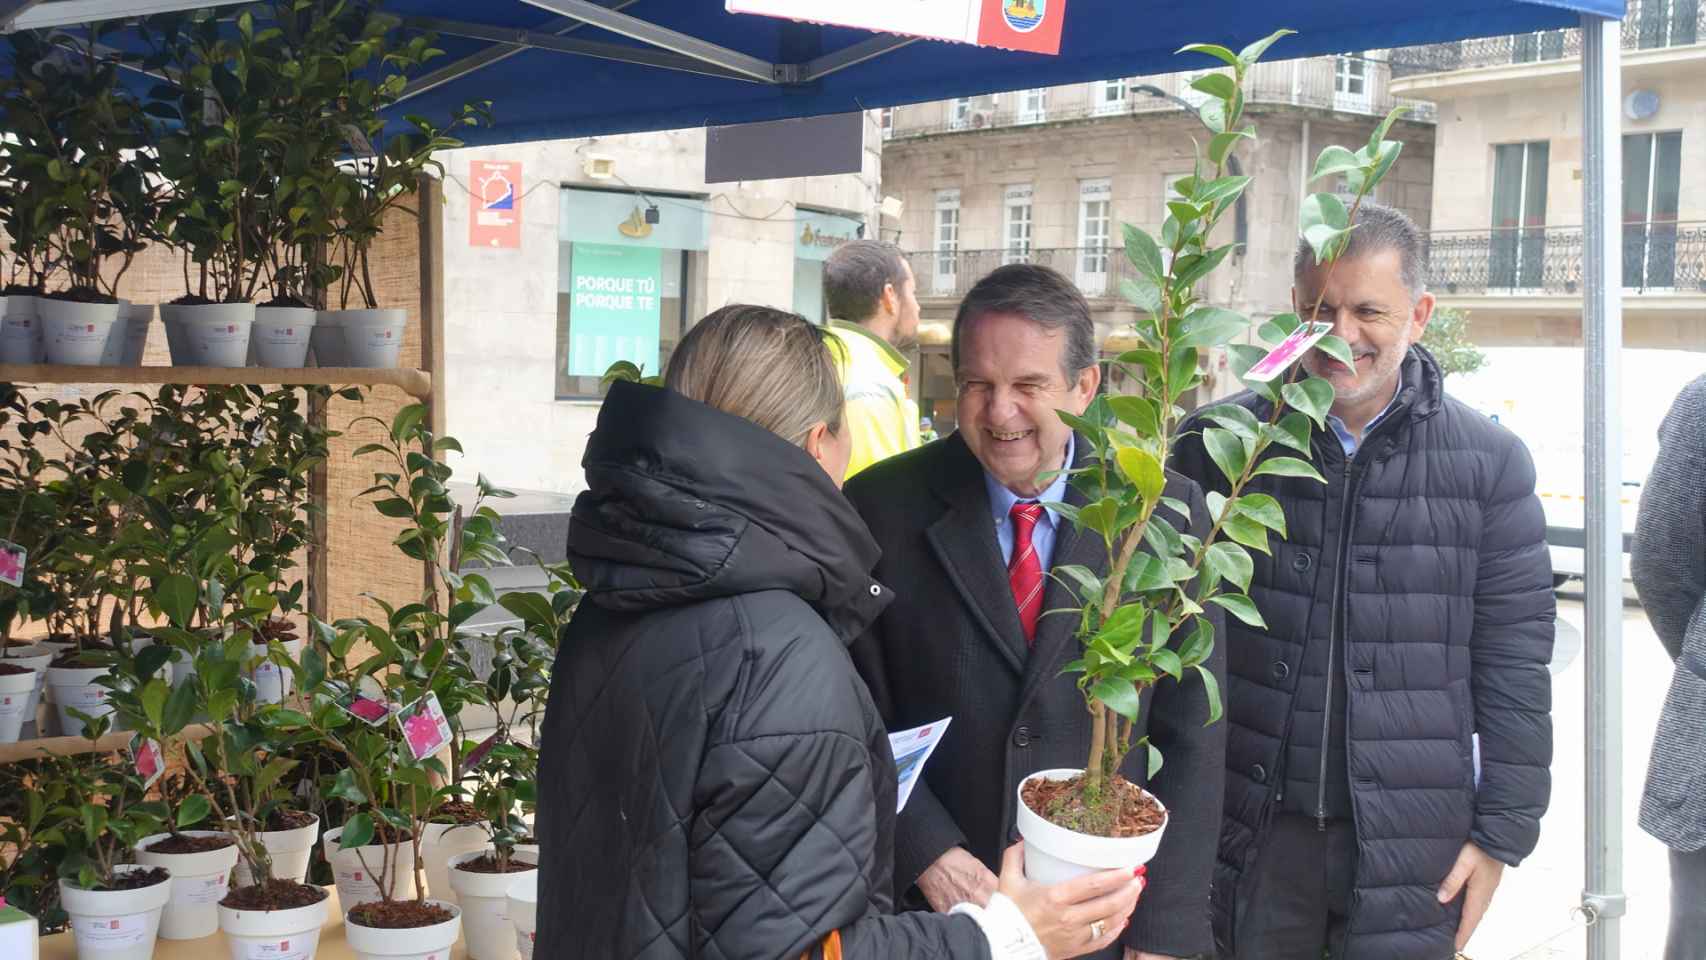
(1001, 502)
(1347, 439)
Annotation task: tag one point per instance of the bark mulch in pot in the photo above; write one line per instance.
(286, 819)
(399, 915)
(489, 864)
(183, 844)
(455, 811)
(385, 833)
(1060, 803)
(12, 669)
(138, 879)
(273, 895)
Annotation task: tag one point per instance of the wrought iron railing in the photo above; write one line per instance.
(1658, 257)
(952, 273)
(1649, 24)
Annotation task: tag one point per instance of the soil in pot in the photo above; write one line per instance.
(282, 818)
(12, 669)
(399, 914)
(455, 811)
(182, 844)
(136, 879)
(489, 864)
(385, 834)
(273, 895)
(19, 290)
(79, 295)
(1061, 803)
(287, 302)
(192, 300)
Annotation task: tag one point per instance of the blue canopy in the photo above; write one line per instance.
(542, 93)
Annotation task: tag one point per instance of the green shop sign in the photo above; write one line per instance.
(616, 308)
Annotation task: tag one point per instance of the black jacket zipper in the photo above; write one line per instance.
(1341, 572)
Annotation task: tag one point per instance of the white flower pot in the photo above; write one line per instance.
(524, 910)
(199, 882)
(115, 924)
(17, 702)
(140, 317)
(356, 874)
(290, 850)
(281, 336)
(372, 338)
(272, 682)
(210, 335)
(484, 898)
(327, 338)
(76, 333)
(20, 333)
(36, 658)
(442, 841)
(292, 934)
(418, 943)
(113, 353)
(75, 688)
(1054, 854)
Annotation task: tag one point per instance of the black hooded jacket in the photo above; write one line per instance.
(715, 782)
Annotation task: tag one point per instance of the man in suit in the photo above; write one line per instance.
(967, 545)
(1669, 566)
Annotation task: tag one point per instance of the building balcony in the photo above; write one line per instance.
(1524, 286)
(1654, 32)
(1344, 85)
(951, 274)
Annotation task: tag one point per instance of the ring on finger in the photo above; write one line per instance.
(1096, 930)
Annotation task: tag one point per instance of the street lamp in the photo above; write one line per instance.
(1240, 221)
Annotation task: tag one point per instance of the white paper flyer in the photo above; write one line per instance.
(911, 748)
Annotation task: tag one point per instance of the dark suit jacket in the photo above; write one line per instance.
(951, 645)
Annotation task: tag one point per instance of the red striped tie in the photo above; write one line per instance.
(1025, 571)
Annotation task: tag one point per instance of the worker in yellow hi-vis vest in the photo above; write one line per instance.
(872, 299)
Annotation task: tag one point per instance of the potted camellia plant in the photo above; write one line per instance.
(1142, 620)
(384, 176)
(114, 906)
(219, 105)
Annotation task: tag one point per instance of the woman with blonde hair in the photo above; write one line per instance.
(715, 781)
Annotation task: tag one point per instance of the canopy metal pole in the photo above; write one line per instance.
(1602, 333)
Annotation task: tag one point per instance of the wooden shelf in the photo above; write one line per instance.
(67, 746)
(416, 383)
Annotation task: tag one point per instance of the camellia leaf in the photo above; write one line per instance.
(1278, 327)
(358, 832)
(1209, 327)
(1230, 562)
(1144, 254)
(1335, 347)
(1291, 431)
(1120, 697)
(176, 596)
(192, 811)
(1263, 509)
(1083, 581)
(1241, 607)
(1313, 397)
(1288, 467)
(1247, 532)
(1218, 52)
(1139, 412)
(1334, 160)
(1143, 294)
(1154, 759)
(1227, 451)
(1211, 687)
(1216, 85)
(1254, 51)
(1222, 143)
(1199, 644)
(1143, 470)
(1167, 662)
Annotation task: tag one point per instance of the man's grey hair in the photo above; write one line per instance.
(1378, 227)
(1041, 295)
(856, 273)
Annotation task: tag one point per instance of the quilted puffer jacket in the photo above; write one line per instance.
(1419, 571)
(715, 782)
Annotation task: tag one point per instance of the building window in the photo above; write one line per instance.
(1663, 23)
(947, 241)
(888, 122)
(1016, 229)
(1652, 180)
(959, 113)
(1534, 47)
(1033, 105)
(1095, 200)
(1350, 83)
(1518, 246)
(1108, 96)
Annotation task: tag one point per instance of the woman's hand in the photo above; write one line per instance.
(1076, 917)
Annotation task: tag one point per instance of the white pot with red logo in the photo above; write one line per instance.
(1055, 854)
(74, 688)
(76, 333)
(356, 869)
(138, 318)
(281, 336)
(20, 333)
(17, 700)
(372, 338)
(292, 934)
(199, 882)
(409, 943)
(484, 899)
(209, 335)
(115, 924)
(524, 911)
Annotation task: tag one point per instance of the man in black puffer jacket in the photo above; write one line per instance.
(1409, 624)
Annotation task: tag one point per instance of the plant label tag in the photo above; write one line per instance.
(360, 706)
(479, 753)
(12, 559)
(1288, 351)
(911, 748)
(424, 726)
(148, 760)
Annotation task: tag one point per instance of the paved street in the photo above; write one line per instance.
(1533, 904)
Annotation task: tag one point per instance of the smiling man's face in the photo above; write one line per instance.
(1010, 386)
(1366, 301)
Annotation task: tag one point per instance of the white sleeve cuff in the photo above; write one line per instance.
(1009, 933)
